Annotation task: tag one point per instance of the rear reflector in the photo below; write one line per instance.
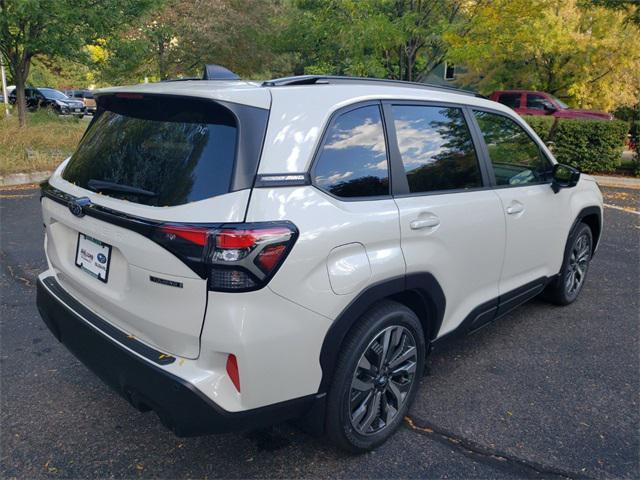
(232, 371)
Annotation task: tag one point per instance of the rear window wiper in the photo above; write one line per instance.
(105, 186)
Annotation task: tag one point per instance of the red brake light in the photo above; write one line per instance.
(232, 238)
(191, 234)
(137, 96)
(235, 239)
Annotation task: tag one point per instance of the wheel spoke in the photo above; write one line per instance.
(385, 347)
(389, 411)
(395, 391)
(359, 412)
(408, 367)
(372, 412)
(365, 365)
(362, 385)
(411, 352)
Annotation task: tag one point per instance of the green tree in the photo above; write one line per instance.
(570, 48)
(401, 39)
(186, 34)
(631, 8)
(56, 28)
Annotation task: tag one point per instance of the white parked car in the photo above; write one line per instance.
(233, 254)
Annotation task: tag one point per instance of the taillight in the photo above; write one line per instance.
(232, 257)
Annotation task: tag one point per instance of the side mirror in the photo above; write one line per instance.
(564, 176)
(548, 106)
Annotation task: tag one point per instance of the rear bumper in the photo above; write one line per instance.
(141, 379)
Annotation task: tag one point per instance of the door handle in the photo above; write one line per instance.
(425, 222)
(514, 208)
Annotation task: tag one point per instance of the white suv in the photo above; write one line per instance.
(233, 254)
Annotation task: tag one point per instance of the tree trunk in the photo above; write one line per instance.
(162, 65)
(21, 102)
(19, 65)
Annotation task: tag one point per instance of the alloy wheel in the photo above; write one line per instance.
(382, 380)
(578, 263)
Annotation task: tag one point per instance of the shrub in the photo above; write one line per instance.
(590, 145)
(541, 124)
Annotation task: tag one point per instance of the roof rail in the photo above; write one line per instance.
(327, 79)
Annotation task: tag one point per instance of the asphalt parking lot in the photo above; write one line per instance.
(546, 392)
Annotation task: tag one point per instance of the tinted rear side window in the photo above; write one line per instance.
(353, 159)
(436, 148)
(511, 100)
(180, 149)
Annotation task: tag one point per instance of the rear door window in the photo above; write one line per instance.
(157, 151)
(353, 159)
(436, 148)
(511, 100)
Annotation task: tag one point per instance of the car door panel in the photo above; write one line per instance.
(451, 222)
(463, 251)
(535, 217)
(535, 234)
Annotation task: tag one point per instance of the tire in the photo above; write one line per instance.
(365, 406)
(575, 266)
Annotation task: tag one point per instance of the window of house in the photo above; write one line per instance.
(449, 71)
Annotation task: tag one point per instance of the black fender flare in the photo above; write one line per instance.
(586, 211)
(423, 284)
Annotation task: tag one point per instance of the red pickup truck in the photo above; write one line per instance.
(528, 102)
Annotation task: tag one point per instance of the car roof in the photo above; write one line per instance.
(257, 93)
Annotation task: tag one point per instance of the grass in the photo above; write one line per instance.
(42, 145)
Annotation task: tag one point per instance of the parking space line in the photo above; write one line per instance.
(623, 209)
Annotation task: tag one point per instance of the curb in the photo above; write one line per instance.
(24, 178)
(617, 182)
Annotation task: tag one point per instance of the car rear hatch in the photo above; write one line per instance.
(150, 168)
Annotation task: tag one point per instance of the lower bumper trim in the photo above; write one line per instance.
(181, 407)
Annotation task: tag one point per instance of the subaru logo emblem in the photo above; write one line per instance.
(75, 207)
(102, 258)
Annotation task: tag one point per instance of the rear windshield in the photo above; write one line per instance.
(160, 151)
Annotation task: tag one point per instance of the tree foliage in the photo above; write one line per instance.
(56, 28)
(578, 51)
(401, 39)
(180, 38)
